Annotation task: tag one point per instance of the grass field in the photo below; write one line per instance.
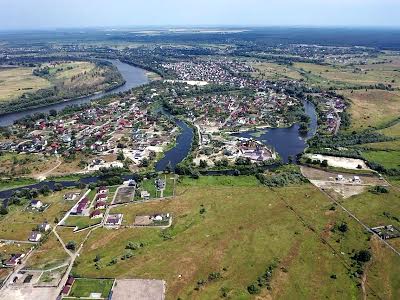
(50, 254)
(393, 131)
(240, 232)
(274, 71)
(14, 164)
(67, 234)
(372, 108)
(81, 221)
(340, 76)
(388, 159)
(14, 183)
(16, 81)
(83, 287)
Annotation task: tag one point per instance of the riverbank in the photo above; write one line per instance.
(132, 75)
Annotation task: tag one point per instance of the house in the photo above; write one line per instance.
(68, 285)
(102, 190)
(78, 209)
(102, 197)
(132, 183)
(36, 204)
(100, 205)
(44, 227)
(145, 195)
(96, 214)
(160, 184)
(35, 236)
(14, 260)
(114, 220)
(70, 196)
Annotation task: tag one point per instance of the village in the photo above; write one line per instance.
(90, 209)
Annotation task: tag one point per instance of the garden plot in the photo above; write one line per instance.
(124, 194)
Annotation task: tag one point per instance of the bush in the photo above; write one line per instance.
(363, 256)
(343, 227)
(253, 289)
(71, 245)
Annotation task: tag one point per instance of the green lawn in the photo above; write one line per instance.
(81, 221)
(238, 231)
(14, 183)
(388, 159)
(82, 287)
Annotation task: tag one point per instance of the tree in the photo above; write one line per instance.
(58, 186)
(343, 227)
(168, 168)
(3, 210)
(120, 156)
(324, 163)
(71, 245)
(253, 289)
(144, 163)
(45, 190)
(203, 164)
(363, 256)
(53, 112)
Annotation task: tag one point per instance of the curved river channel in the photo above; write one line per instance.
(133, 76)
(286, 141)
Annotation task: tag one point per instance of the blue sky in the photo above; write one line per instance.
(35, 14)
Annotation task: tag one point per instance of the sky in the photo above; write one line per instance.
(48, 14)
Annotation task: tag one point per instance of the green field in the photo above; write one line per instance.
(372, 108)
(388, 159)
(16, 81)
(48, 255)
(81, 221)
(238, 231)
(82, 287)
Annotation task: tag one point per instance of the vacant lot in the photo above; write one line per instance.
(372, 108)
(16, 81)
(237, 232)
(125, 194)
(49, 255)
(274, 71)
(138, 289)
(342, 76)
(80, 221)
(83, 287)
(14, 164)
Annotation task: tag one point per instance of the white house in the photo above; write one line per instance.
(35, 236)
(36, 204)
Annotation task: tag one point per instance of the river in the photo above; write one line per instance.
(133, 76)
(288, 142)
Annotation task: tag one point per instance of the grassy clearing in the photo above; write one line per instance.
(388, 159)
(7, 249)
(16, 164)
(50, 254)
(274, 71)
(250, 181)
(372, 108)
(24, 221)
(347, 75)
(369, 207)
(67, 234)
(16, 81)
(14, 183)
(241, 231)
(83, 287)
